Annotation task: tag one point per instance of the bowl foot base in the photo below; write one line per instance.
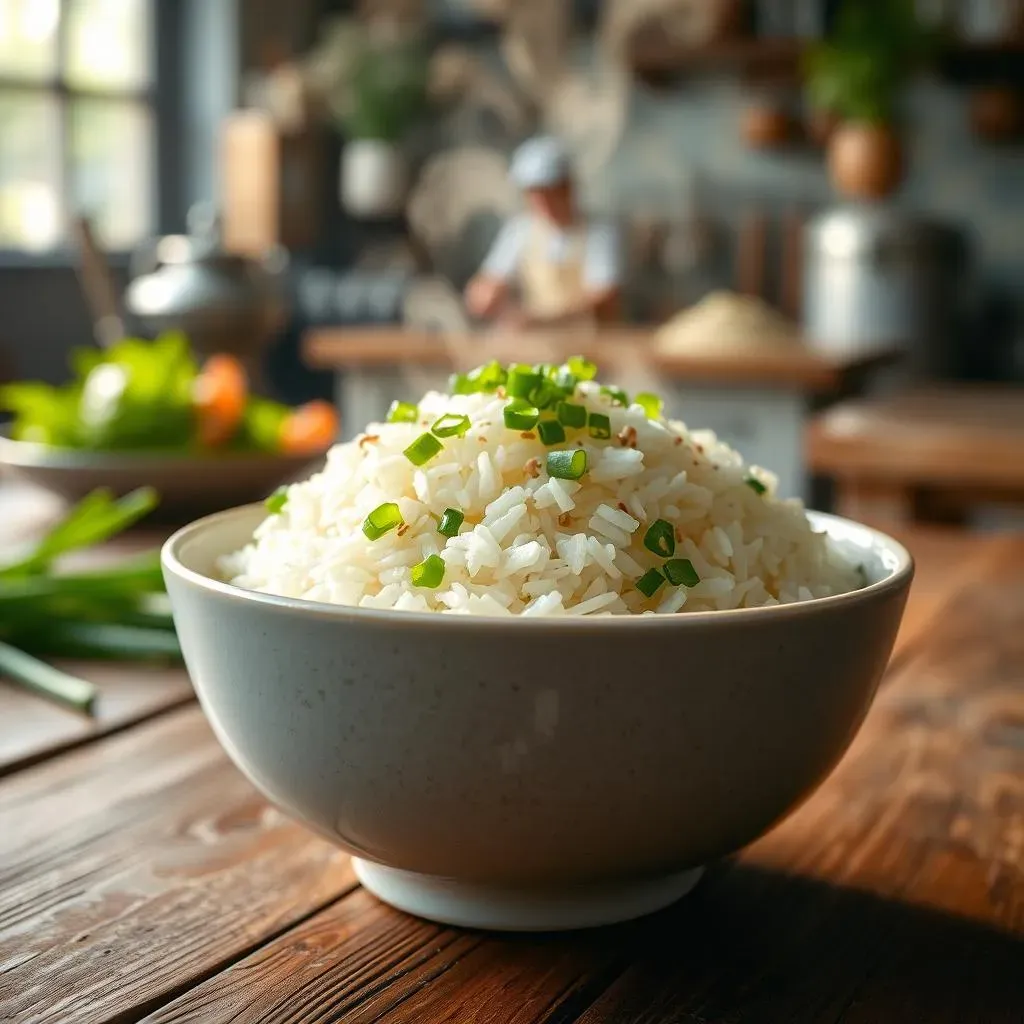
(467, 905)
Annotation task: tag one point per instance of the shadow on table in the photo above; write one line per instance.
(750, 946)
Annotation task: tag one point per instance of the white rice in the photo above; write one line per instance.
(535, 545)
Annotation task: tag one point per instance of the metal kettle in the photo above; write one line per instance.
(223, 302)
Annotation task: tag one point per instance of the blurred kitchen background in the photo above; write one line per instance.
(822, 207)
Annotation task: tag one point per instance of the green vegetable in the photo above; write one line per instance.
(544, 394)
(403, 412)
(755, 485)
(429, 572)
(617, 395)
(450, 425)
(522, 382)
(276, 502)
(383, 519)
(660, 538)
(652, 404)
(451, 520)
(567, 463)
(680, 572)
(551, 432)
(581, 368)
(650, 582)
(600, 426)
(521, 415)
(262, 423)
(565, 379)
(460, 384)
(570, 415)
(488, 377)
(104, 613)
(423, 449)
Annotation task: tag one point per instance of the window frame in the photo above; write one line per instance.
(159, 96)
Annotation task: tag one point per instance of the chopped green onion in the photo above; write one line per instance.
(551, 432)
(617, 395)
(522, 381)
(583, 368)
(276, 502)
(451, 520)
(680, 572)
(660, 538)
(521, 415)
(544, 394)
(565, 379)
(600, 426)
(383, 519)
(571, 415)
(650, 583)
(450, 425)
(460, 384)
(651, 404)
(429, 573)
(423, 449)
(488, 377)
(22, 668)
(567, 464)
(755, 485)
(403, 412)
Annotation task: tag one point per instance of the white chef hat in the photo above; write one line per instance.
(540, 163)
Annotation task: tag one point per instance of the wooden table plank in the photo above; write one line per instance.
(138, 866)
(895, 894)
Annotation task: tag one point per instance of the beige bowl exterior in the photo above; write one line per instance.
(525, 753)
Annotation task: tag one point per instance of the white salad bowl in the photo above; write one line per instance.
(530, 773)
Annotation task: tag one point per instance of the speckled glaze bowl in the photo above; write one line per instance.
(531, 774)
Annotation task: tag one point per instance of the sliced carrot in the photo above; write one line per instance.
(310, 428)
(219, 398)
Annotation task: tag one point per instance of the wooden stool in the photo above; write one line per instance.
(932, 454)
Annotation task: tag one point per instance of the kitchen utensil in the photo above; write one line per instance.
(101, 293)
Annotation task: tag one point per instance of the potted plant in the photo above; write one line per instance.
(374, 79)
(853, 79)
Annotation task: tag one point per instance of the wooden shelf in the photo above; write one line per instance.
(652, 56)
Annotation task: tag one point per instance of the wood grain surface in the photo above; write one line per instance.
(143, 879)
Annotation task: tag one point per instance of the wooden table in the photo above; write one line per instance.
(756, 401)
(934, 453)
(143, 879)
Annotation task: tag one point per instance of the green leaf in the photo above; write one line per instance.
(261, 425)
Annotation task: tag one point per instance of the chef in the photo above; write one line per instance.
(548, 267)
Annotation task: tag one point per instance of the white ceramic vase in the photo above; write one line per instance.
(373, 178)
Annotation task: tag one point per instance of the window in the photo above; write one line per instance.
(77, 124)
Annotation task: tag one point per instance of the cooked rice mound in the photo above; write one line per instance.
(535, 544)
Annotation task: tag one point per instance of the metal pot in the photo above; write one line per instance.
(875, 275)
(222, 301)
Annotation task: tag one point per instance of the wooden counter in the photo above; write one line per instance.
(756, 401)
(798, 367)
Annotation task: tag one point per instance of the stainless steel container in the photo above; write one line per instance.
(875, 275)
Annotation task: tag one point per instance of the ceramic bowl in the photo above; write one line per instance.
(532, 774)
(189, 485)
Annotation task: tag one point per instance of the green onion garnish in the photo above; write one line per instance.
(423, 449)
(680, 572)
(488, 377)
(521, 415)
(383, 519)
(660, 538)
(545, 394)
(650, 582)
(565, 379)
(551, 432)
(571, 415)
(755, 485)
(652, 404)
(403, 412)
(567, 463)
(583, 368)
(460, 384)
(522, 381)
(451, 520)
(600, 426)
(617, 395)
(429, 572)
(276, 502)
(450, 425)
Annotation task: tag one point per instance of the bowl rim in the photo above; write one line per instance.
(898, 580)
(37, 455)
